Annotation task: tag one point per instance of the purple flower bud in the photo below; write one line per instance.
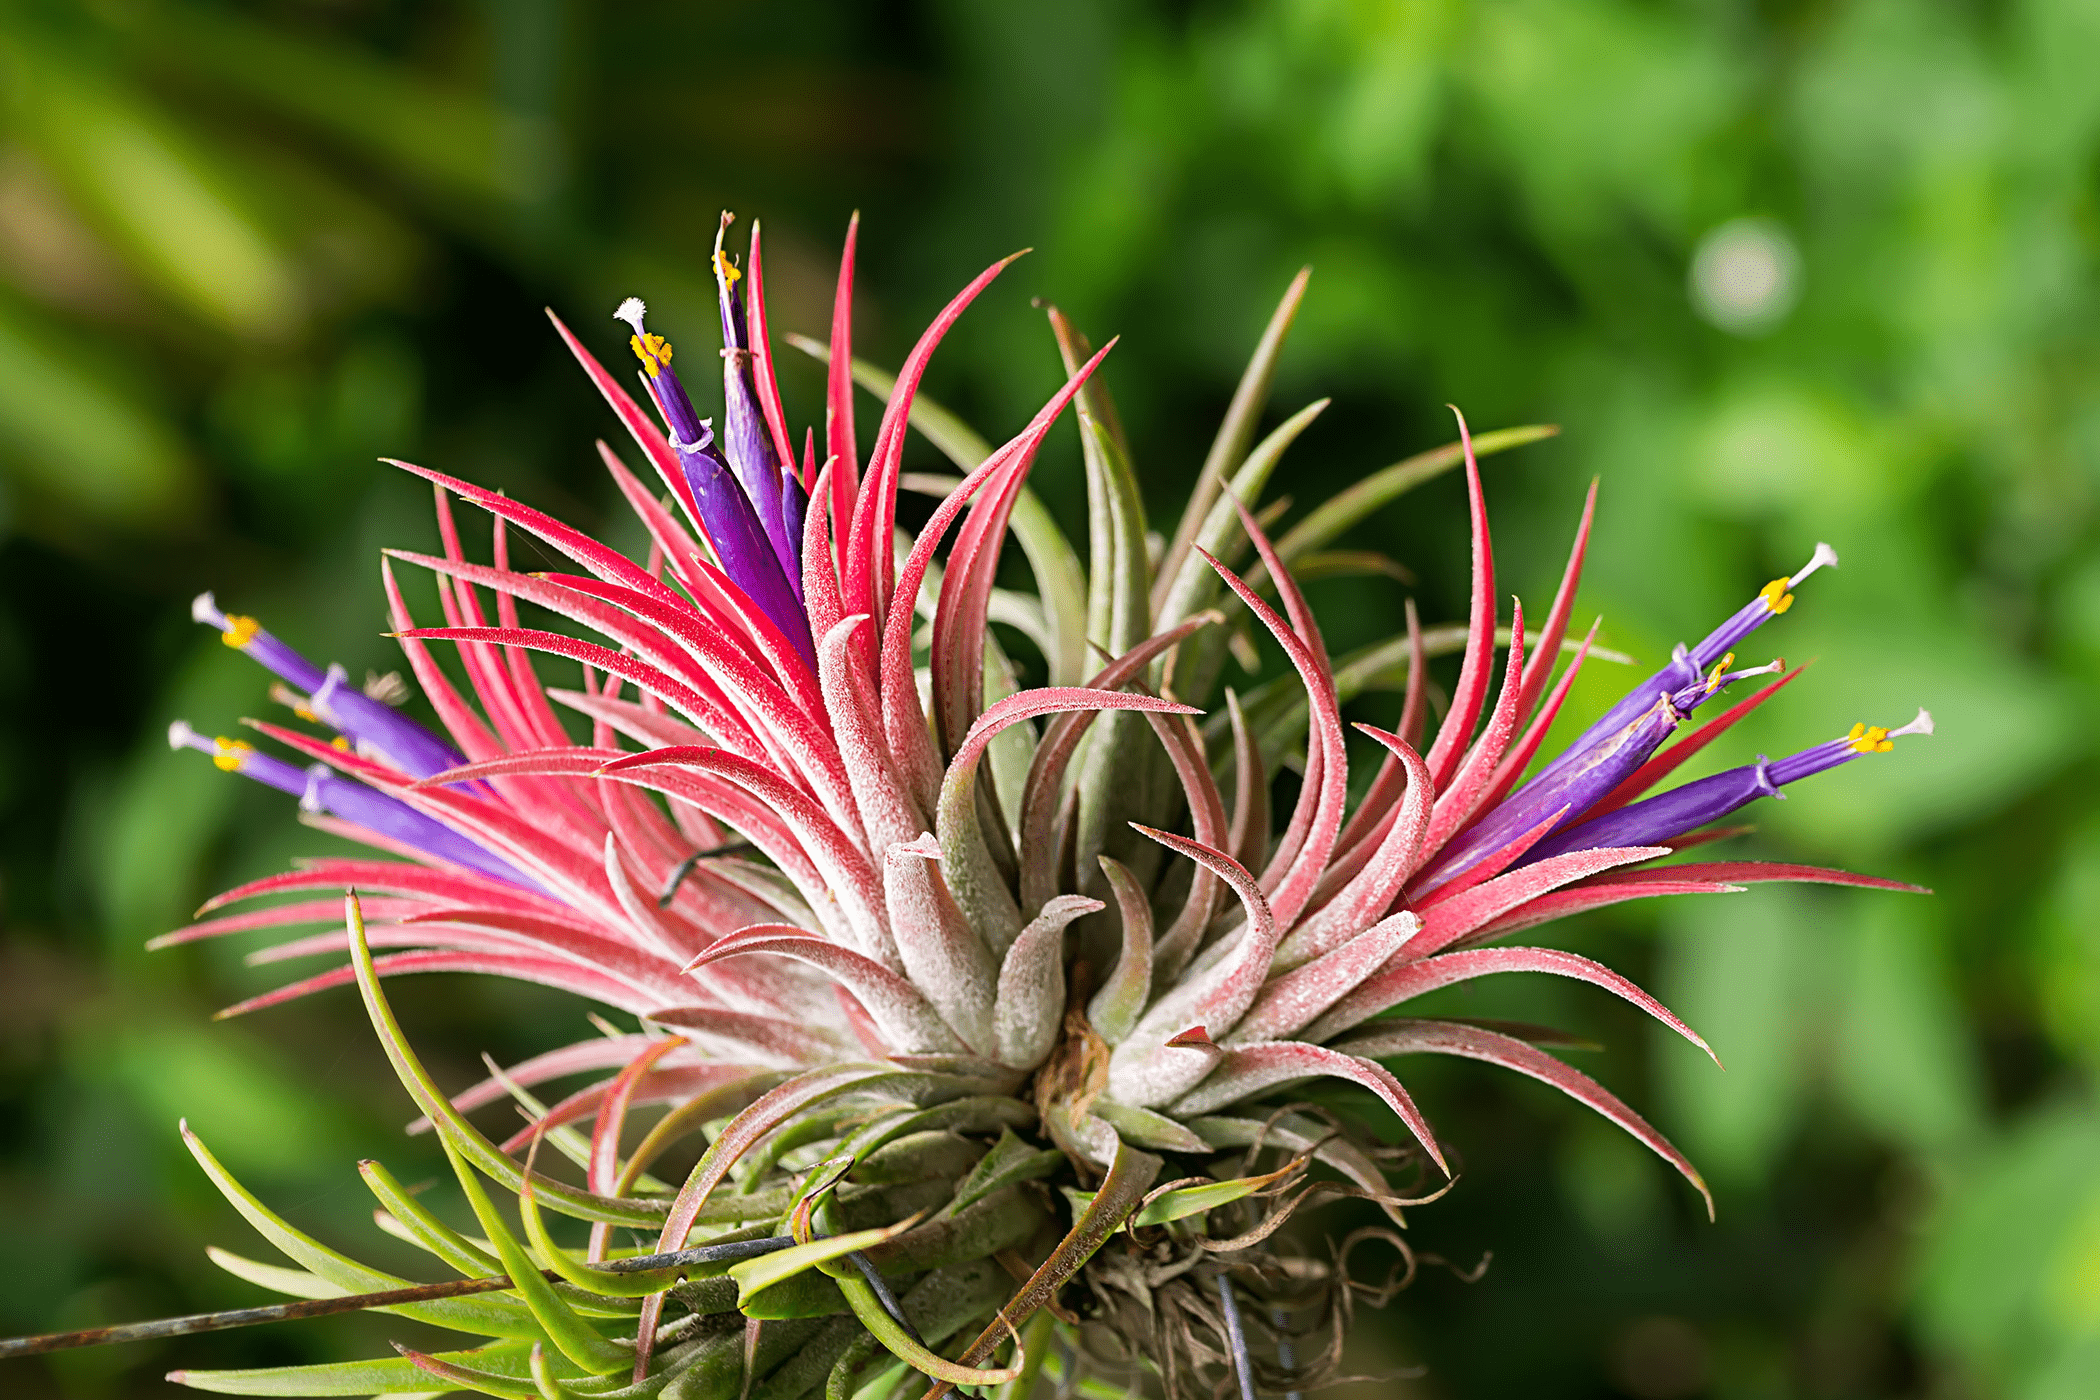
(794, 510)
(746, 441)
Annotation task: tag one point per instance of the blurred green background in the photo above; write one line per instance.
(1785, 271)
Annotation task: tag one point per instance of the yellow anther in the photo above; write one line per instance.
(725, 269)
(227, 754)
(1776, 597)
(341, 743)
(306, 714)
(653, 351)
(240, 631)
(1719, 672)
(1866, 738)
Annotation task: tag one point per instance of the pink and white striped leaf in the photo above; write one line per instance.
(1254, 1069)
(908, 1021)
(1405, 981)
(1460, 915)
(1477, 1043)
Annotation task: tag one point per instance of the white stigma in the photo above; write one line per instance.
(205, 608)
(1772, 667)
(321, 702)
(180, 735)
(631, 311)
(1921, 725)
(1824, 558)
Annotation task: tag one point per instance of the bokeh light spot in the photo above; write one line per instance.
(1746, 276)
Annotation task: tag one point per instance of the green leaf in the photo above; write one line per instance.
(1236, 430)
(1196, 583)
(424, 1228)
(980, 1113)
(1195, 1200)
(296, 1282)
(599, 1281)
(373, 1377)
(544, 1379)
(754, 1276)
(490, 1317)
(578, 1340)
(1009, 1161)
(477, 1149)
(901, 1344)
(1130, 1174)
(1146, 1128)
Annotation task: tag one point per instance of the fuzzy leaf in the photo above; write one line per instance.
(1328, 521)
(1474, 1042)
(1229, 448)
(1250, 1069)
(1031, 1002)
(1115, 1009)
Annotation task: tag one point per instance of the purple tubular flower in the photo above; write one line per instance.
(744, 546)
(1688, 665)
(1682, 809)
(746, 440)
(329, 698)
(1579, 778)
(245, 634)
(321, 789)
(794, 510)
(1624, 736)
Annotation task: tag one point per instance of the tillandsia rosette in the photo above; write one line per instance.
(992, 1013)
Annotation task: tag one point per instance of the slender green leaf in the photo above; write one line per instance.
(578, 1340)
(1229, 448)
(373, 1377)
(490, 1317)
(479, 1150)
(755, 1276)
(1009, 1161)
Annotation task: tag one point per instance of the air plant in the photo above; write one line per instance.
(996, 1014)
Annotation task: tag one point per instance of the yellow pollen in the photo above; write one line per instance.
(341, 744)
(305, 714)
(653, 351)
(228, 753)
(1869, 739)
(1720, 670)
(725, 269)
(240, 631)
(1776, 597)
